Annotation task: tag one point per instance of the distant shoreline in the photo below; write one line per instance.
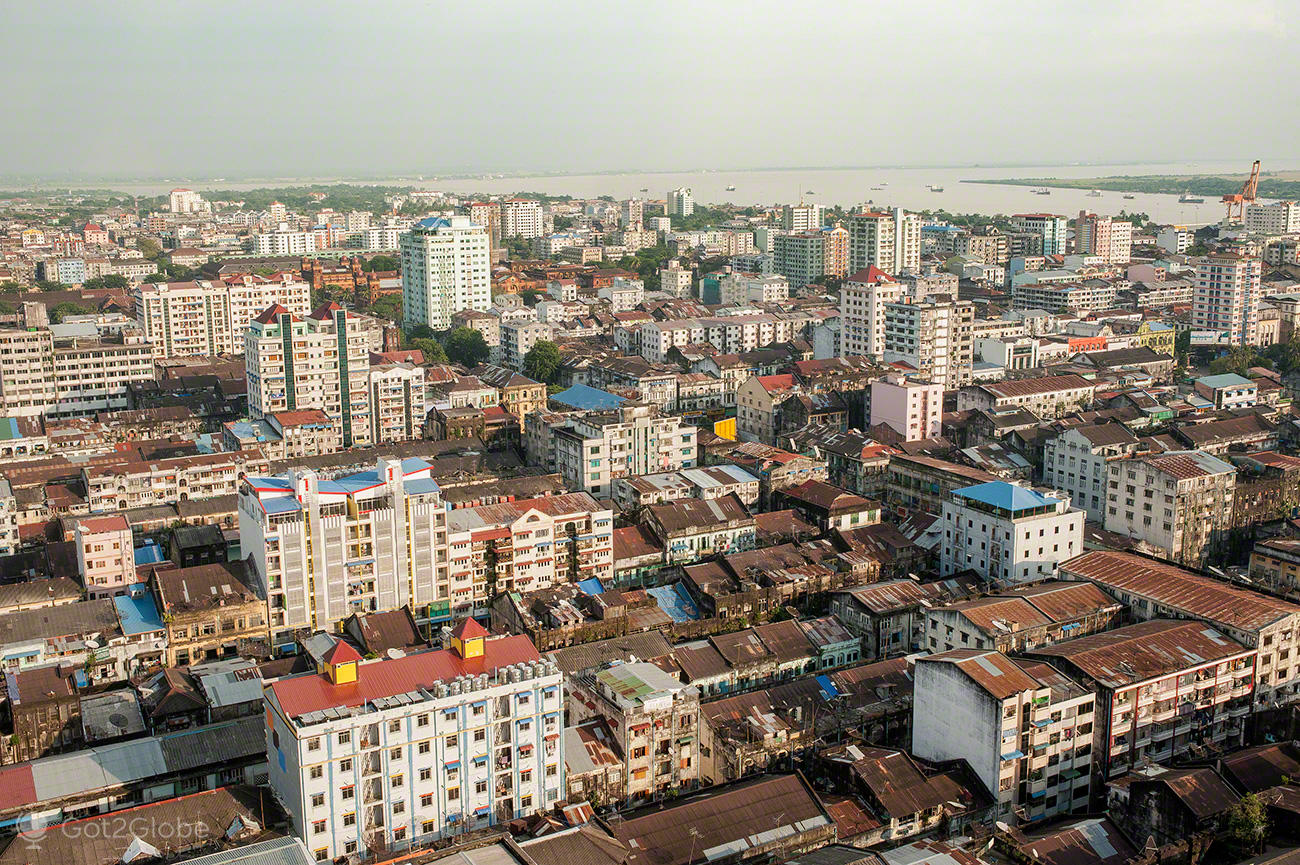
(1282, 184)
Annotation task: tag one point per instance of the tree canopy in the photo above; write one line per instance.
(432, 349)
(63, 310)
(1245, 827)
(542, 361)
(388, 306)
(466, 346)
(112, 280)
(381, 263)
(149, 248)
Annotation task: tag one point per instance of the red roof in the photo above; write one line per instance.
(299, 695)
(468, 630)
(871, 275)
(17, 788)
(113, 523)
(776, 382)
(325, 310)
(342, 653)
(271, 314)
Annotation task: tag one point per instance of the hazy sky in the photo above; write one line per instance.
(288, 88)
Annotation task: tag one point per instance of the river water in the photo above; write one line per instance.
(881, 187)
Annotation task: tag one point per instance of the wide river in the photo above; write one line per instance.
(882, 187)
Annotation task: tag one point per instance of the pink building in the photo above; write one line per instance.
(105, 555)
(913, 409)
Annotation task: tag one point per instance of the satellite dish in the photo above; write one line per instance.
(394, 654)
(1002, 827)
(92, 644)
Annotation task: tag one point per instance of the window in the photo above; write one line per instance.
(399, 834)
(317, 773)
(345, 765)
(394, 726)
(395, 754)
(449, 742)
(322, 854)
(480, 735)
(396, 781)
(426, 774)
(313, 744)
(427, 827)
(426, 800)
(399, 807)
(348, 792)
(318, 827)
(317, 799)
(453, 794)
(481, 787)
(350, 818)
(422, 720)
(345, 736)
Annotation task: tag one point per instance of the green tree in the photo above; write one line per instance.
(12, 287)
(542, 361)
(466, 346)
(563, 222)
(149, 248)
(1182, 345)
(112, 280)
(432, 349)
(63, 310)
(530, 296)
(518, 247)
(1245, 827)
(419, 331)
(50, 285)
(381, 262)
(387, 306)
(1285, 355)
(1238, 360)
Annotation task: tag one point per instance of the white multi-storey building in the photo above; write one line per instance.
(1226, 300)
(284, 242)
(592, 450)
(675, 279)
(525, 545)
(321, 550)
(889, 241)
(1023, 727)
(728, 334)
(933, 336)
(911, 408)
(1280, 217)
(93, 373)
(185, 201)
(522, 217)
(862, 311)
(1179, 503)
(680, 202)
(1008, 533)
(802, 217)
(518, 338)
(397, 404)
(181, 319)
(445, 269)
(318, 362)
(738, 289)
(1052, 228)
(1175, 238)
(1077, 462)
(378, 756)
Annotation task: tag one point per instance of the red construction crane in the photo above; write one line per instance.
(1238, 200)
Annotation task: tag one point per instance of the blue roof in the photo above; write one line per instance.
(828, 687)
(422, 485)
(148, 554)
(674, 601)
(585, 398)
(433, 222)
(591, 586)
(281, 505)
(1227, 379)
(1001, 494)
(138, 615)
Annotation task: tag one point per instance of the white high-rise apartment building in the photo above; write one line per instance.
(889, 241)
(284, 242)
(1178, 503)
(181, 319)
(802, 217)
(675, 279)
(862, 311)
(632, 213)
(933, 336)
(318, 362)
(1280, 217)
(375, 757)
(1077, 462)
(322, 550)
(681, 202)
(522, 217)
(397, 404)
(1008, 533)
(27, 385)
(1052, 228)
(445, 269)
(185, 201)
(1109, 239)
(1227, 297)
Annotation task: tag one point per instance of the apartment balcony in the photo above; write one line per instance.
(372, 791)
